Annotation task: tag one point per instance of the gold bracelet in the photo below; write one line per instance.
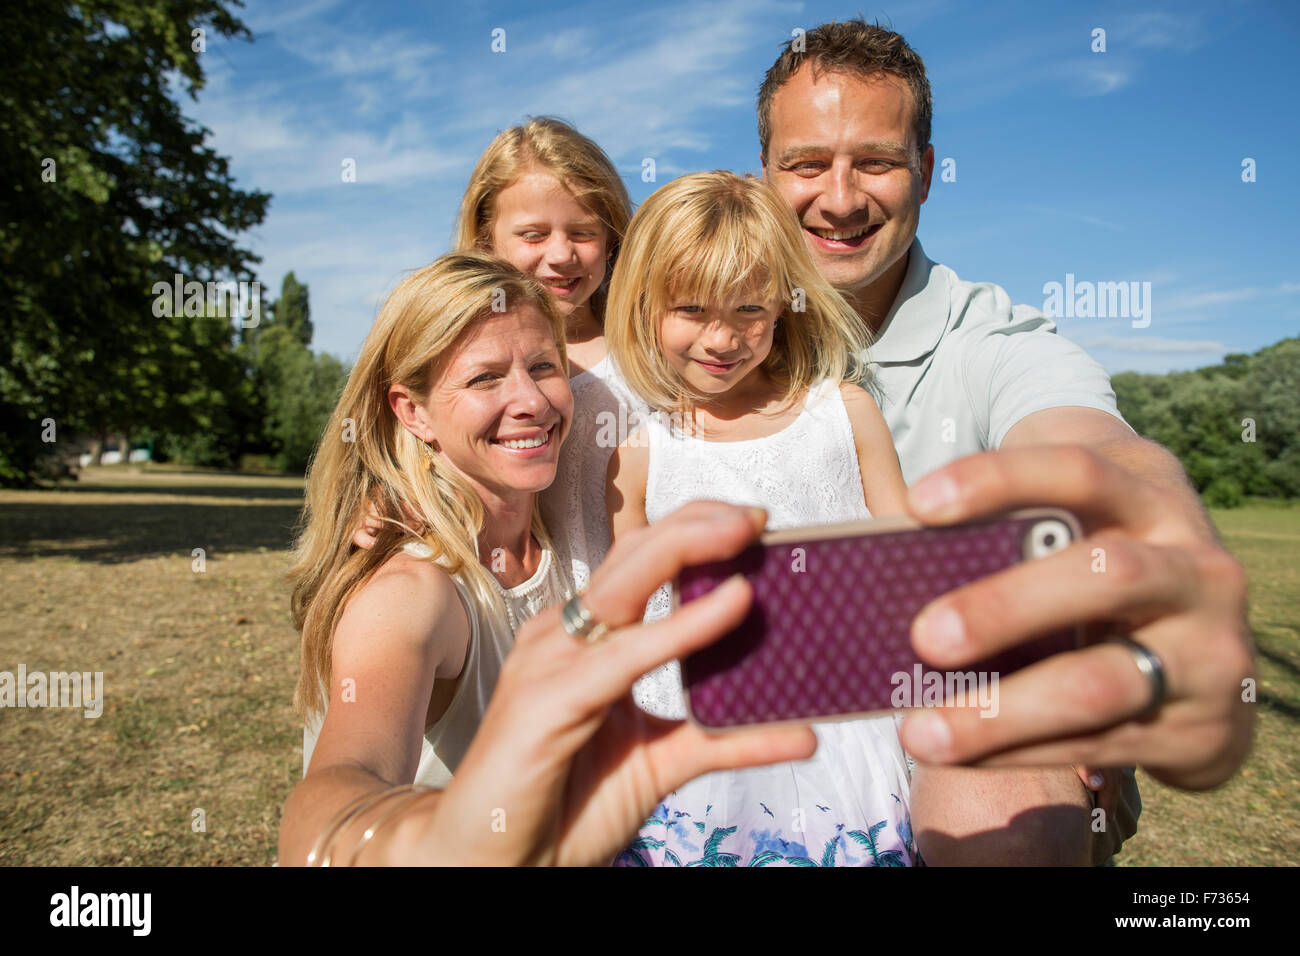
(351, 812)
(328, 832)
(390, 792)
(416, 793)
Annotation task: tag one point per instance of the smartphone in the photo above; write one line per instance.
(829, 633)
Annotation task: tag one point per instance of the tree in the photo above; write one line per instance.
(293, 310)
(297, 389)
(1235, 426)
(107, 189)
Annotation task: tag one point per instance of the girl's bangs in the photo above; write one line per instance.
(719, 267)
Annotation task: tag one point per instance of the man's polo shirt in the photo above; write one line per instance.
(956, 365)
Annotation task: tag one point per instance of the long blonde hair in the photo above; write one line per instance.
(367, 457)
(703, 236)
(576, 161)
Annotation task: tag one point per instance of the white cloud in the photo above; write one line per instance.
(647, 88)
(1148, 344)
(1164, 31)
(571, 42)
(1078, 217)
(1097, 80)
(1200, 301)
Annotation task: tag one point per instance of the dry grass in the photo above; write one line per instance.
(199, 671)
(1254, 819)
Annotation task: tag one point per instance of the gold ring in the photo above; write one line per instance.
(578, 621)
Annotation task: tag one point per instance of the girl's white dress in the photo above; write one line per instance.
(605, 413)
(848, 804)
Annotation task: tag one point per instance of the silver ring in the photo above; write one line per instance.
(578, 621)
(1149, 663)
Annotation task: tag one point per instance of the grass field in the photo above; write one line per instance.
(199, 668)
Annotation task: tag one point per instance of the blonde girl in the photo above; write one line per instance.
(453, 415)
(750, 363)
(548, 200)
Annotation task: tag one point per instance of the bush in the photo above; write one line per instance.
(1223, 493)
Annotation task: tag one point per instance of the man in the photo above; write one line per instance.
(844, 124)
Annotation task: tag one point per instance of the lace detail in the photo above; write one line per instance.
(805, 474)
(848, 805)
(539, 592)
(605, 413)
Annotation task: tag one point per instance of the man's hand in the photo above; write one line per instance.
(1146, 565)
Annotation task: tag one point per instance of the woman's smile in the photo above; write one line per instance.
(526, 444)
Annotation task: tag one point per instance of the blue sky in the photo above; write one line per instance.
(1115, 166)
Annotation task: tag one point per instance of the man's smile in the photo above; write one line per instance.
(837, 240)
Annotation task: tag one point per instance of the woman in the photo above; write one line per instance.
(550, 202)
(564, 762)
(454, 412)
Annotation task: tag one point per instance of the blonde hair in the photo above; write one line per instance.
(704, 236)
(556, 147)
(366, 457)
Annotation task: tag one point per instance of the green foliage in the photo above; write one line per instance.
(293, 310)
(1235, 426)
(105, 189)
(299, 390)
(1223, 493)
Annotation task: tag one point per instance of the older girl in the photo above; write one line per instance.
(548, 200)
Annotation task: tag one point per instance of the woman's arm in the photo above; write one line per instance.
(625, 482)
(882, 478)
(398, 634)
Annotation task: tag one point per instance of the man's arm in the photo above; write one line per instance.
(1113, 440)
(964, 816)
(1040, 815)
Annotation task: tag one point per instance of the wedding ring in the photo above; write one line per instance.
(1149, 663)
(578, 621)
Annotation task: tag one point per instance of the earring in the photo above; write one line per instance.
(426, 455)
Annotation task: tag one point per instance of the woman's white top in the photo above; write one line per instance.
(490, 640)
(848, 804)
(605, 413)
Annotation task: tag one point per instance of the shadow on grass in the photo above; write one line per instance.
(234, 489)
(1271, 655)
(1279, 705)
(114, 533)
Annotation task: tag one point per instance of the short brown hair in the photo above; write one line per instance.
(855, 47)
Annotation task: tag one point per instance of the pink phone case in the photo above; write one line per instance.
(829, 632)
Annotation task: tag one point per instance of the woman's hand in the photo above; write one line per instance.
(565, 767)
(364, 535)
(1149, 565)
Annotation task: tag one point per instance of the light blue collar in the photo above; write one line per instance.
(919, 315)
